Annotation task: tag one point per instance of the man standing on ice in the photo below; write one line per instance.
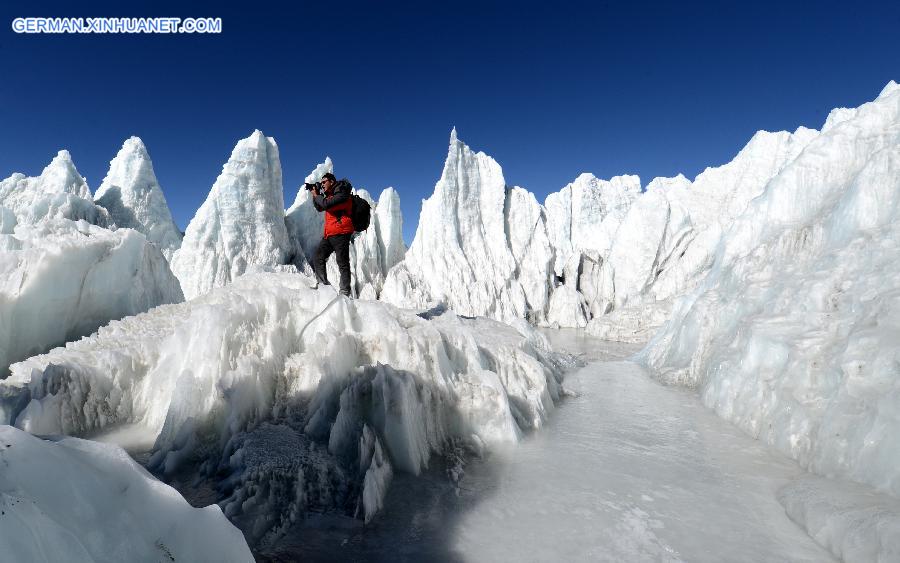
(333, 197)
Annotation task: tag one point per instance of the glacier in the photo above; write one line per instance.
(303, 399)
(767, 284)
(134, 199)
(67, 499)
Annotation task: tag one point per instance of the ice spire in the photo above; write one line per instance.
(134, 199)
(241, 223)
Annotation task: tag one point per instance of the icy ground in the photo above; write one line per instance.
(629, 470)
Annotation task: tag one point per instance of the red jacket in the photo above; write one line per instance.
(337, 204)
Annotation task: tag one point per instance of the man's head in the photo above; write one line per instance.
(328, 181)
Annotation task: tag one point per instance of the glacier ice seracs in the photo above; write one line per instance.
(470, 250)
(240, 225)
(303, 398)
(64, 268)
(599, 253)
(792, 335)
(67, 499)
(134, 199)
(59, 192)
(61, 280)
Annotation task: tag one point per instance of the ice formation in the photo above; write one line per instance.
(59, 192)
(61, 279)
(598, 253)
(240, 225)
(134, 199)
(586, 214)
(852, 521)
(304, 398)
(81, 501)
(792, 335)
(480, 247)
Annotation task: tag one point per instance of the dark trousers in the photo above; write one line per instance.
(340, 245)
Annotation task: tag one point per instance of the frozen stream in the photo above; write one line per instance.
(629, 470)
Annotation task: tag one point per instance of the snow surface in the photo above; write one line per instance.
(240, 225)
(274, 384)
(59, 192)
(134, 199)
(793, 334)
(61, 280)
(80, 501)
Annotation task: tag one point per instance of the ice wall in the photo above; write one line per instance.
(599, 254)
(792, 335)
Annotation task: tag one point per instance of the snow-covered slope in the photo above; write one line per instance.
(470, 251)
(134, 199)
(80, 501)
(793, 334)
(241, 223)
(304, 398)
(60, 280)
(59, 192)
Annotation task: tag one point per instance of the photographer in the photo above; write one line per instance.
(333, 197)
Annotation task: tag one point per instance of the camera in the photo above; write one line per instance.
(315, 186)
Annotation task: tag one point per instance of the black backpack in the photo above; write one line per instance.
(360, 213)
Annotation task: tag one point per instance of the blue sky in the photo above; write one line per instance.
(549, 89)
